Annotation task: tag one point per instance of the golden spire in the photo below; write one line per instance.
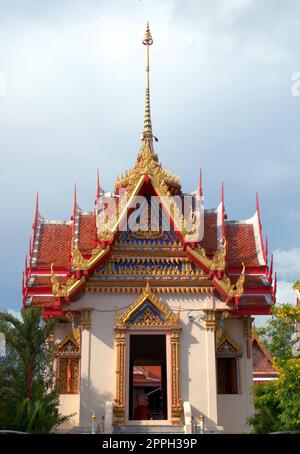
(147, 135)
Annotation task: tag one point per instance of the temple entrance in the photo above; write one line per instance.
(147, 377)
(147, 365)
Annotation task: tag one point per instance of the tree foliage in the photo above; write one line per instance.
(279, 333)
(277, 403)
(28, 399)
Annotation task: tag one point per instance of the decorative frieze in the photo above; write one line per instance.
(91, 288)
(247, 332)
(210, 320)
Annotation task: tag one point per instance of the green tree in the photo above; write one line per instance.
(266, 403)
(279, 333)
(28, 400)
(288, 393)
(277, 403)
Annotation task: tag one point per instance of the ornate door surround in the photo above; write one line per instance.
(147, 314)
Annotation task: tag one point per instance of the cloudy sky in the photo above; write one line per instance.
(72, 99)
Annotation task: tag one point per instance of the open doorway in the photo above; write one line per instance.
(147, 377)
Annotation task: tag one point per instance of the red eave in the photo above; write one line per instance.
(262, 270)
(56, 240)
(252, 310)
(264, 374)
(258, 291)
(31, 291)
(52, 313)
(45, 271)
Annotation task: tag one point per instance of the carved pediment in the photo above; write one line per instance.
(70, 345)
(228, 347)
(148, 312)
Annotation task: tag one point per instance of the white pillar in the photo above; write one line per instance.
(85, 379)
(108, 418)
(211, 372)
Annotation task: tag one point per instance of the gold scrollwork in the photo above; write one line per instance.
(227, 346)
(133, 289)
(210, 320)
(171, 319)
(147, 164)
(236, 290)
(219, 259)
(80, 263)
(60, 290)
(105, 235)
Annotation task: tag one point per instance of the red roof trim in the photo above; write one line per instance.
(253, 310)
(257, 270)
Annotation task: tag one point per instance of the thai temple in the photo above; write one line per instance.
(263, 367)
(154, 324)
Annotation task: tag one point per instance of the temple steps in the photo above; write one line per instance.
(148, 429)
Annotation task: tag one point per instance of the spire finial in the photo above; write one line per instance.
(36, 213)
(223, 210)
(98, 192)
(147, 132)
(200, 190)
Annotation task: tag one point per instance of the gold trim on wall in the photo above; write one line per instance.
(120, 401)
(124, 324)
(127, 287)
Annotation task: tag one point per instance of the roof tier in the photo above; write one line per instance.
(55, 241)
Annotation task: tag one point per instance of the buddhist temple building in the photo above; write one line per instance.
(263, 370)
(151, 317)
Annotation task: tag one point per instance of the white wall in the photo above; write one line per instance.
(69, 404)
(233, 409)
(98, 362)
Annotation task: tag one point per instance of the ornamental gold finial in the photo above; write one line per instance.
(147, 135)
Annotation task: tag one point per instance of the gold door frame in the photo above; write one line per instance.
(125, 325)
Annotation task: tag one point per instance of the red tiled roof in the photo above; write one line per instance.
(87, 233)
(249, 300)
(210, 239)
(241, 245)
(262, 363)
(261, 358)
(55, 239)
(45, 281)
(250, 281)
(54, 245)
(44, 301)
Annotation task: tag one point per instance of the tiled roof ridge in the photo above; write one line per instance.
(242, 221)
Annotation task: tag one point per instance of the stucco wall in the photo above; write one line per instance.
(197, 361)
(233, 409)
(69, 404)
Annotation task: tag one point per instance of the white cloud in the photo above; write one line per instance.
(13, 312)
(75, 75)
(261, 320)
(287, 264)
(285, 293)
